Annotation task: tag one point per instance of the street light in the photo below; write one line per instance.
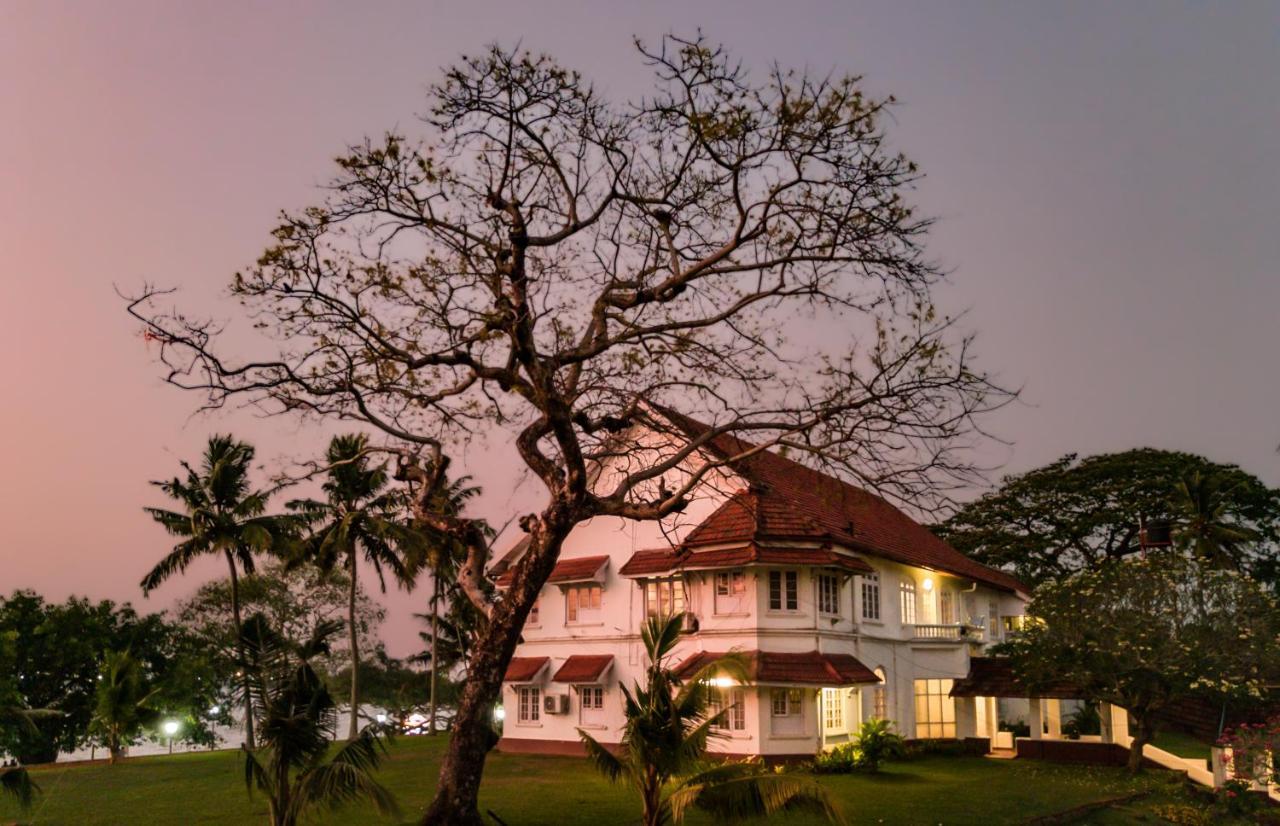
(170, 729)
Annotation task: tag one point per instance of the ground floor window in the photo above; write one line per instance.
(935, 710)
(880, 698)
(786, 707)
(591, 705)
(833, 709)
(529, 708)
(733, 699)
(785, 702)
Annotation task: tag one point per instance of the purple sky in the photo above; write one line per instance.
(1106, 177)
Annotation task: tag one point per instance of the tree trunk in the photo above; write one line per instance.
(458, 790)
(435, 601)
(1142, 735)
(354, 729)
(235, 613)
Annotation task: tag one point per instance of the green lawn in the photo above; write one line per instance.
(1183, 745)
(525, 791)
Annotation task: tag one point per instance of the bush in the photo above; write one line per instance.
(842, 759)
(878, 742)
(936, 748)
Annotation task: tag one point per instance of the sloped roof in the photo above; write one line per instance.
(788, 500)
(579, 569)
(524, 669)
(994, 677)
(809, 667)
(650, 562)
(583, 668)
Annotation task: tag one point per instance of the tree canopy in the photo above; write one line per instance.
(1076, 514)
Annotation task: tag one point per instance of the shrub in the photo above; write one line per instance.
(842, 759)
(1184, 815)
(878, 742)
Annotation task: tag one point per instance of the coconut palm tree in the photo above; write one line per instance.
(121, 706)
(298, 719)
(664, 748)
(1207, 526)
(220, 514)
(360, 517)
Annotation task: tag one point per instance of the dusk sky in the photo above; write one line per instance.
(1106, 178)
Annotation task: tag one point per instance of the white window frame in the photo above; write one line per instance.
(833, 709)
(573, 610)
(880, 697)
(907, 601)
(591, 698)
(947, 614)
(871, 597)
(786, 702)
(667, 592)
(528, 714)
(730, 592)
(788, 591)
(935, 709)
(830, 590)
(736, 698)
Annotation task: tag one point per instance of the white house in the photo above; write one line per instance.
(843, 607)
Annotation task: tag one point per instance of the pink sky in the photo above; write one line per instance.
(1105, 177)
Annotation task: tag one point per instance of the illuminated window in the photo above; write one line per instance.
(947, 607)
(993, 618)
(783, 591)
(583, 603)
(833, 709)
(880, 698)
(733, 699)
(663, 597)
(828, 594)
(907, 594)
(529, 708)
(871, 597)
(935, 710)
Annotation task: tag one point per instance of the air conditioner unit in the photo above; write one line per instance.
(555, 703)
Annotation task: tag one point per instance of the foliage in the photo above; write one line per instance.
(1076, 514)
(298, 720)
(1143, 632)
(878, 742)
(1083, 719)
(664, 747)
(121, 703)
(389, 683)
(15, 714)
(360, 518)
(1252, 746)
(841, 759)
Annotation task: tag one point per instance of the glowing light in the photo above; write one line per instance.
(928, 583)
(499, 713)
(171, 727)
(722, 682)
(215, 710)
(381, 718)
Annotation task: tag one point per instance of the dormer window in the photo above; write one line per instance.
(664, 597)
(784, 591)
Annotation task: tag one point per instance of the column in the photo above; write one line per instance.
(1053, 708)
(966, 717)
(1218, 765)
(1120, 726)
(1037, 718)
(1104, 714)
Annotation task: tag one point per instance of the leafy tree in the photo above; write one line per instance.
(1142, 633)
(220, 515)
(1077, 514)
(390, 684)
(298, 722)
(360, 518)
(15, 714)
(122, 703)
(664, 748)
(557, 266)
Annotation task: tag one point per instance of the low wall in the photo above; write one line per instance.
(1073, 751)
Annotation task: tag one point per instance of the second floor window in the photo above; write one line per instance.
(731, 592)
(663, 597)
(907, 593)
(582, 603)
(828, 594)
(533, 614)
(993, 618)
(947, 608)
(871, 597)
(784, 591)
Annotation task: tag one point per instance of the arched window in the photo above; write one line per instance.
(880, 697)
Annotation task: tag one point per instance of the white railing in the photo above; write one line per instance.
(948, 631)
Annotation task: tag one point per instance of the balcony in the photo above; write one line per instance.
(951, 632)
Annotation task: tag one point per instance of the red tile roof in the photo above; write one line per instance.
(787, 500)
(524, 669)
(578, 569)
(644, 563)
(809, 667)
(583, 668)
(994, 677)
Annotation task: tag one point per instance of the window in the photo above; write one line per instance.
(828, 594)
(533, 614)
(785, 702)
(935, 710)
(591, 705)
(871, 597)
(880, 697)
(907, 591)
(733, 699)
(663, 597)
(833, 709)
(583, 603)
(529, 707)
(993, 618)
(947, 608)
(731, 592)
(783, 591)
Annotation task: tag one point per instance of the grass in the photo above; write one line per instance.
(1181, 744)
(206, 788)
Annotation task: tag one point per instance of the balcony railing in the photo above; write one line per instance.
(957, 632)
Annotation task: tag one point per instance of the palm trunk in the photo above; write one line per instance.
(235, 612)
(354, 729)
(435, 600)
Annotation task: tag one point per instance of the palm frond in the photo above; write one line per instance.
(17, 783)
(605, 761)
(740, 791)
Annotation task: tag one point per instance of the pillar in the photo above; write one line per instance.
(1036, 718)
(1120, 726)
(1053, 709)
(966, 717)
(1104, 714)
(1218, 765)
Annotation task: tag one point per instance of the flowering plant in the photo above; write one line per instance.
(1252, 745)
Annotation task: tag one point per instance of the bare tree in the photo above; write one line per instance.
(556, 266)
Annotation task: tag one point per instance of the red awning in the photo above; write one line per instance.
(809, 667)
(524, 669)
(583, 668)
(581, 569)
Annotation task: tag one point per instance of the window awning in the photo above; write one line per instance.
(524, 669)
(789, 668)
(581, 569)
(583, 668)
